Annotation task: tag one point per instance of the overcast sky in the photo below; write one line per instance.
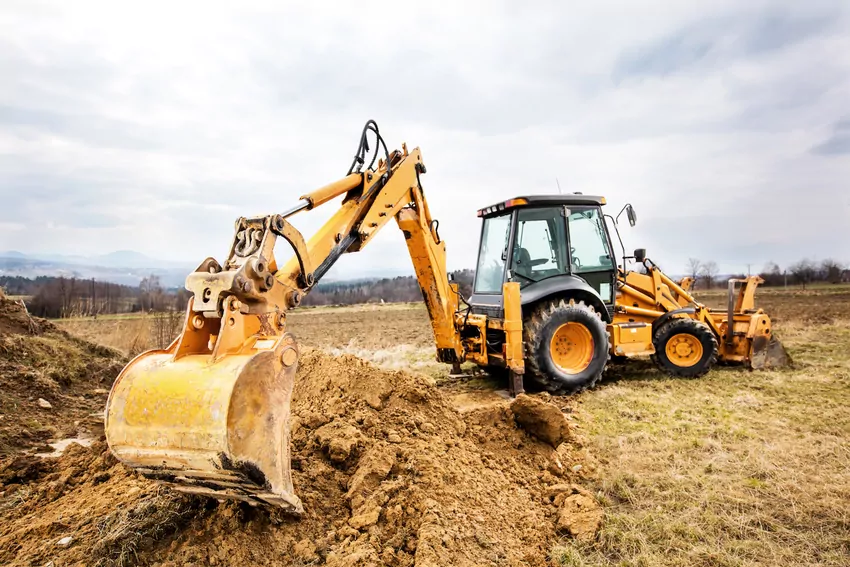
(152, 127)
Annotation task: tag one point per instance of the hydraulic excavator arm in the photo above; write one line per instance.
(372, 199)
(210, 414)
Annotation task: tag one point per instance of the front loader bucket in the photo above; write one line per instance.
(768, 353)
(212, 426)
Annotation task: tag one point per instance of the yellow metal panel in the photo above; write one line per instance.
(513, 327)
(630, 339)
(642, 283)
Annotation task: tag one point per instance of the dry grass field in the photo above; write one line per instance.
(738, 468)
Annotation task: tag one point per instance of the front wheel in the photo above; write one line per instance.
(566, 346)
(685, 347)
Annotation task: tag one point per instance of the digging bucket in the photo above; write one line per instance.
(214, 423)
(768, 353)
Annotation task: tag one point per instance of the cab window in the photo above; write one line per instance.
(589, 250)
(540, 245)
(492, 255)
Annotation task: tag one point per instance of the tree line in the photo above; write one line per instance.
(57, 297)
(802, 272)
(386, 290)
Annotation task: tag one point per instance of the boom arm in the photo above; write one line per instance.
(371, 198)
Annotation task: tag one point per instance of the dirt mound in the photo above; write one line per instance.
(15, 319)
(389, 473)
(50, 382)
(106, 511)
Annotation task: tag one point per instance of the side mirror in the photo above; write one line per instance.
(640, 254)
(631, 214)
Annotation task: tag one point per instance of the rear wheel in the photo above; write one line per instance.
(566, 346)
(685, 347)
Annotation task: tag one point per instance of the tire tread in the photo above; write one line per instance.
(533, 342)
(694, 327)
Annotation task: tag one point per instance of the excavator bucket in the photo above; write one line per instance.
(765, 350)
(768, 353)
(209, 416)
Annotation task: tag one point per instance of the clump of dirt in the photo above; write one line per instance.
(388, 471)
(50, 382)
(543, 420)
(86, 495)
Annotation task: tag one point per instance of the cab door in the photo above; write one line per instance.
(493, 253)
(591, 256)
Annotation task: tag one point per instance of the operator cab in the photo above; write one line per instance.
(547, 244)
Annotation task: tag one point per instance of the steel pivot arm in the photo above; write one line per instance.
(371, 198)
(391, 191)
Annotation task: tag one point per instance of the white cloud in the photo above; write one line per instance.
(153, 126)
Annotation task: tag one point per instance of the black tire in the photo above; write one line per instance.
(699, 331)
(540, 327)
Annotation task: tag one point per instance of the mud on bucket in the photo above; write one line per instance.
(216, 427)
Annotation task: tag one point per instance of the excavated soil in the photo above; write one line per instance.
(50, 382)
(389, 471)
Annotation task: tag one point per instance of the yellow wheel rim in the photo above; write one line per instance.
(571, 347)
(683, 350)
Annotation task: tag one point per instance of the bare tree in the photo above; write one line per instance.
(771, 274)
(831, 271)
(693, 268)
(151, 295)
(708, 271)
(803, 271)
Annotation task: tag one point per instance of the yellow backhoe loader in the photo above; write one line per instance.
(210, 413)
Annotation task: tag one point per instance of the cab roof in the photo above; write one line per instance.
(542, 200)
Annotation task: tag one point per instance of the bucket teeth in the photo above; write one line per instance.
(223, 486)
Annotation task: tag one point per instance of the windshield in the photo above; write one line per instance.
(588, 241)
(492, 255)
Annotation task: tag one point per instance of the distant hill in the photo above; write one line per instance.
(127, 259)
(128, 267)
(124, 267)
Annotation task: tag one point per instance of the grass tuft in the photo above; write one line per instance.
(565, 555)
(125, 532)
